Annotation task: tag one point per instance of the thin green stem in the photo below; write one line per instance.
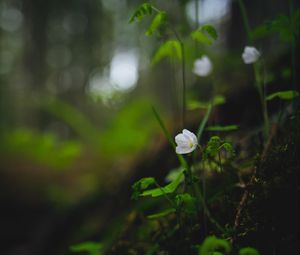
(245, 20)
(220, 161)
(155, 9)
(197, 14)
(261, 91)
(207, 212)
(183, 74)
(259, 83)
(181, 159)
(183, 85)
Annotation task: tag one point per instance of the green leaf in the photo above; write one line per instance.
(248, 251)
(170, 48)
(212, 147)
(92, 248)
(213, 244)
(194, 104)
(187, 203)
(283, 26)
(141, 11)
(210, 30)
(286, 27)
(158, 21)
(161, 214)
(261, 31)
(142, 184)
(219, 100)
(205, 34)
(200, 37)
(170, 188)
(173, 174)
(228, 147)
(284, 95)
(222, 128)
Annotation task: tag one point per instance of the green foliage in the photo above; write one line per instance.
(186, 203)
(210, 30)
(248, 251)
(141, 12)
(91, 248)
(203, 123)
(222, 128)
(45, 149)
(194, 104)
(125, 135)
(142, 184)
(206, 34)
(286, 73)
(169, 188)
(286, 27)
(214, 245)
(214, 145)
(170, 49)
(163, 127)
(161, 214)
(74, 118)
(173, 174)
(228, 147)
(200, 37)
(284, 95)
(158, 22)
(147, 9)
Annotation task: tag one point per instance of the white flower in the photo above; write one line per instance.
(202, 66)
(186, 142)
(250, 55)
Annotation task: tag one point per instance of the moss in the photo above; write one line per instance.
(271, 217)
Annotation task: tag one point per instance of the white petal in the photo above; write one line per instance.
(183, 149)
(191, 135)
(186, 142)
(250, 55)
(180, 139)
(202, 66)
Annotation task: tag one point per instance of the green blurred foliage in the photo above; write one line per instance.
(90, 248)
(45, 149)
(213, 244)
(129, 131)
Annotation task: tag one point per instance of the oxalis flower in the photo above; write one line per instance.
(186, 142)
(250, 55)
(202, 66)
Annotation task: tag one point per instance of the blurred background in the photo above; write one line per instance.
(76, 89)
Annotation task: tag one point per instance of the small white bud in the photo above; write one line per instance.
(250, 55)
(202, 66)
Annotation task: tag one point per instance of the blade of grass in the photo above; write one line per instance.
(204, 122)
(169, 138)
(163, 127)
(202, 126)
